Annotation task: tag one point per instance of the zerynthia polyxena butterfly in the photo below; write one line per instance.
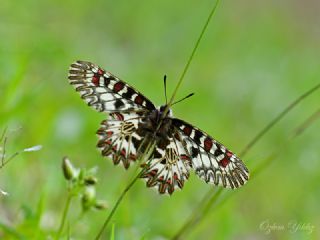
(134, 122)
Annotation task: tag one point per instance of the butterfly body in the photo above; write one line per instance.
(135, 124)
(159, 122)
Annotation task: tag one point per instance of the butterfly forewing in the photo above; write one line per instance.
(104, 91)
(211, 160)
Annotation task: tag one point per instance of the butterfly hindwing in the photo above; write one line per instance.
(168, 166)
(104, 91)
(211, 160)
(119, 138)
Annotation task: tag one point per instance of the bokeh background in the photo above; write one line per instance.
(255, 58)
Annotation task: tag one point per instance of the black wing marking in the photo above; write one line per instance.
(104, 91)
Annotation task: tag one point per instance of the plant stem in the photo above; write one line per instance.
(116, 206)
(64, 215)
(299, 130)
(3, 149)
(296, 132)
(3, 134)
(277, 119)
(191, 56)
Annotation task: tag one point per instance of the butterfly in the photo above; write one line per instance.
(135, 123)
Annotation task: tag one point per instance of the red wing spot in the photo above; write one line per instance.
(118, 86)
(187, 130)
(175, 176)
(207, 144)
(184, 157)
(229, 154)
(119, 116)
(100, 71)
(161, 178)
(108, 142)
(153, 172)
(123, 152)
(169, 181)
(138, 100)
(96, 79)
(176, 136)
(109, 134)
(114, 148)
(224, 162)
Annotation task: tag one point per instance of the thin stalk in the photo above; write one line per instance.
(299, 130)
(277, 119)
(3, 134)
(9, 159)
(64, 215)
(105, 224)
(213, 10)
(3, 160)
(3, 149)
(295, 133)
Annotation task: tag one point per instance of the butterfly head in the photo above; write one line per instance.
(162, 109)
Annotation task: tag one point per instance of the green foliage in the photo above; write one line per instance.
(255, 58)
(81, 183)
(112, 232)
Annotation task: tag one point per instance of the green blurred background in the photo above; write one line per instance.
(255, 58)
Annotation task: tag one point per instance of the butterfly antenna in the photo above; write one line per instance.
(165, 87)
(190, 95)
